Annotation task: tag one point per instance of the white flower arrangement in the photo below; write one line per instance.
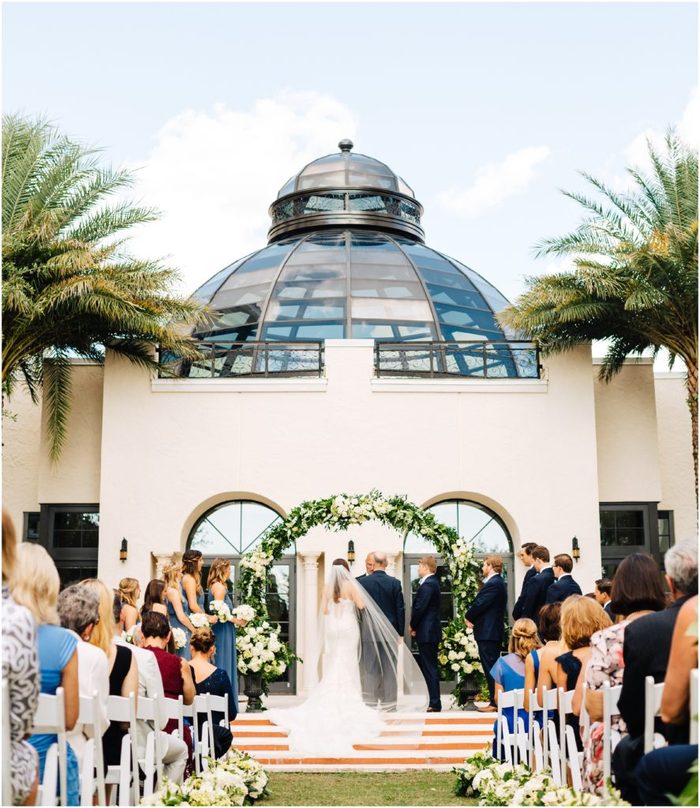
(258, 561)
(199, 620)
(179, 637)
(244, 612)
(234, 779)
(221, 610)
(257, 648)
(460, 651)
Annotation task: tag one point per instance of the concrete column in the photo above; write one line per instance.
(161, 561)
(391, 565)
(310, 561)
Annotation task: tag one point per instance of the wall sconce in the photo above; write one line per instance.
(123, 550)
(575, 551)
(351, 552)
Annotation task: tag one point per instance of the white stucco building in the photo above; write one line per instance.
(404, 383)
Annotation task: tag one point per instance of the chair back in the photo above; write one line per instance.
(694, 705)
(652, 704)
(123, 709)
(532, 729)
(6, 745)
(611, 696)
(153, 711)
(174, 708)
(504, 741)
(92, 770)
(549, 704)
(50, 719)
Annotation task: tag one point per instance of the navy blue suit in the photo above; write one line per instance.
(536, 594)
(425, 621)
(487, 613)
(518, 608)
(561, 589)
(379, 661)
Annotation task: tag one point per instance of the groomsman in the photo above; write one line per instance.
(524, 555)
(565, 584)
(603, 588)
(426, 628)
(536, 592)
(487, 616)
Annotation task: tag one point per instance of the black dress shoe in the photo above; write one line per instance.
(434, 710)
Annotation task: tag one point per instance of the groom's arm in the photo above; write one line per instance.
(400, 609)
(420, 606)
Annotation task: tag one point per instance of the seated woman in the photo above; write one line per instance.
(35, 585)
(210, 679)
(154, 598)
(541, 663)
(509, 671)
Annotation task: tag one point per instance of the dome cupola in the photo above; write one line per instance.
(345, 190)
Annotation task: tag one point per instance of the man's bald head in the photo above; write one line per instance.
(380, 560)
(369, 563)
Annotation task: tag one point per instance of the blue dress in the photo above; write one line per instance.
(509, 673)
(56, 646)
(218, 684)
(175, 623)
(225, 657)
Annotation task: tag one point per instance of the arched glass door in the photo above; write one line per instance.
(475, 523)
(234, 528)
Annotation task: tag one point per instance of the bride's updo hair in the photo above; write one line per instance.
(337, 583)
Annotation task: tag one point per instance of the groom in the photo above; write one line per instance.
(380, 661)
(427, 629)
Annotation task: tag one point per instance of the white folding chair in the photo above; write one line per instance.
(652, 705)
(567, 754)
(694, 705)
(200, 741)
(152, 710)
(6, 745)
(174, 708)
(50, 719)
(214, 704)
(520, 739)
(554, 759)
(534, 744)
(611, 696)
(91, 771)
(549, 705)
(126, 774)
(584, 718)
(575, 759)
(504, 740)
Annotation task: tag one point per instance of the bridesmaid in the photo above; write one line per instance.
(177, 606)
(224, 633)
(193, 594)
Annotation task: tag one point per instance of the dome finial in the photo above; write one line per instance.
(345, 145)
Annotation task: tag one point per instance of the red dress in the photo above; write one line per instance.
(170, 672)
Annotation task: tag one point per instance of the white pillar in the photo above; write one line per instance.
(161, 562)
(310, 560)
(391, 564)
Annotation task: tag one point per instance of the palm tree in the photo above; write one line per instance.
(69, 287)
(635, 281)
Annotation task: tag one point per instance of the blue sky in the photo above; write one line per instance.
(484, 109)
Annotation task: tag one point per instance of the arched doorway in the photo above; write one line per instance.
(476, 523)
(232, 528)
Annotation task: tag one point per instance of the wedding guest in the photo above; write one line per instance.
(486, 616)
(150, 685)
(192, 563)
(209, 678)
(154, 597)
(224, 633)
(543, 659)
(35, 585)
(78, 611)
(648, 642)
(564, 584)
(123, 670)
(525, 556)
(176, 603)
(536, 592)
(20, 669)
(426, 628)
(603, 588)
(175, 672)
(682, 658)
(369, 566)
(129, 592)
(508, 671)
(636, 591)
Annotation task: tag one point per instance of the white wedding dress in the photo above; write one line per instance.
(334, 717)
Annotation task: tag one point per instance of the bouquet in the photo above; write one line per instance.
(179, 637)
(244, 612)
(221, 610)
(199, 620)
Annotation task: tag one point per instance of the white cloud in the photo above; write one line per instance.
(213, 175)
(494, 183)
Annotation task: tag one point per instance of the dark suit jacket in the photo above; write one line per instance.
(386, 593)
(536, 593)
(488, 610)
(561, 589)
(425, 614)
(608, 610)
(518, 608)
(646, 649)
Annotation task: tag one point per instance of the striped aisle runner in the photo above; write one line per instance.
(409, 741)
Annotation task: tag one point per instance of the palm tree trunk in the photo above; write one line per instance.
(692, 385)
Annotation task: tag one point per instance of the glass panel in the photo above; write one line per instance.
(465, 317)
(75, 529)
(457, 297)
(376, 309)
(31, 526)
(387, 289)
(232, 528)
(665, 532)
(304, 311)
(474, 523)
(242, 296)
(622, 528)
(204, 293)
(73, 573)
(301, 291)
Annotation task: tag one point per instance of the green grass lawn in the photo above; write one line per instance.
(363, 788)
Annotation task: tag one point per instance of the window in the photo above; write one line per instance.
(666, 536)
(31, 525)
(628, 527)
(71, 535)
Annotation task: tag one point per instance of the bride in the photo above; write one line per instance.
(357, 643)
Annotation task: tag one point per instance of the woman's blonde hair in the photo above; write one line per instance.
(35, 582)
(103, 633)
(581, 617)
(127, 590)
(9, 546)
(218, 572)
(524, 637)
(170, 574)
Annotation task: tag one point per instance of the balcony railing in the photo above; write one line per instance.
(222, 359)
(504, 359)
